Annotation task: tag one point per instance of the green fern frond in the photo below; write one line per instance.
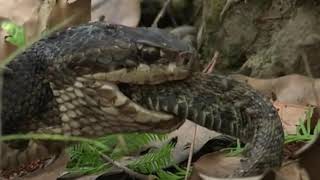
(86, 159)
(154, 161)
(166, 175)
(82, 156)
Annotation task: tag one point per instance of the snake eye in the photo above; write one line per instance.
(150, 54)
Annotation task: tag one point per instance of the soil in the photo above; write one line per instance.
(23, 170)
(263, 38)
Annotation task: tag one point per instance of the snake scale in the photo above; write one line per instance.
(97, 78)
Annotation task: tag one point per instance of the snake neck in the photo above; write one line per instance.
(25, 90)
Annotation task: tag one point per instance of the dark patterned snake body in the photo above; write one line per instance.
(96, 79)
(222, 104)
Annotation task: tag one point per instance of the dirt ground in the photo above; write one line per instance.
(263, 38)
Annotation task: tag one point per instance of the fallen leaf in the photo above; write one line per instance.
(289, 89)
(216, 164)
(290, 115)
(291, 171)
(292, 95)
(184, 136)
(76, 12)
(124, 12)
(36, 16)
(303, 166)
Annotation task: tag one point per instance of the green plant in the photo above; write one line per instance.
(16, 33)
(153, 161)
(179, 174)
(304, 132)
(235, 151)
(87, 160)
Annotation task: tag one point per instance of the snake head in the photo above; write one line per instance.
(67, 83)
(122, 54)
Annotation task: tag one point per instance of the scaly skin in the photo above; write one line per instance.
(67, 84)
(78, 51)
(222, 104)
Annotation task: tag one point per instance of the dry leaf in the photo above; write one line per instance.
(36, 16)
(184, 136)
(24, 12)
(303, 166)
(290, 115)
(125, 12)
(78, 10)
(291, 171)
(216, 166)
(289, 89)
(293, 94)
(21, 12)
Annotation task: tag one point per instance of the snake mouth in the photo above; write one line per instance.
(156, 69)
(148, 65)
(143, 74)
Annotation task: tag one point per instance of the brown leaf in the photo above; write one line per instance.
(290, 115)
(36, 16)
(125, 12)
(80, 10)
(290, 89)
(216, 165)
(184, 136)
(292, 95)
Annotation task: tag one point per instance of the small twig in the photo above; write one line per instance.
(212, 63)
(124, 168)
(160, 14)
(208, 70)
(191, 151)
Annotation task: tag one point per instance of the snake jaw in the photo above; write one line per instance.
(143, 74)
(62, 82)
(129, 61)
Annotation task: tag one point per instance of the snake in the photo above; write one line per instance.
(97, 78)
